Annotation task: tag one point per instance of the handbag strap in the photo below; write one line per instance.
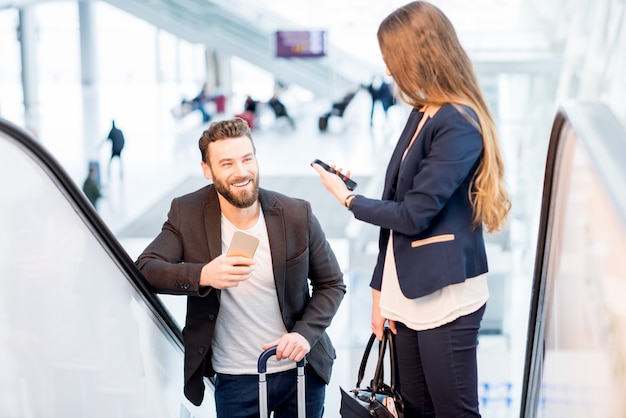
(379, 374)
(392, 359)
(366, 354)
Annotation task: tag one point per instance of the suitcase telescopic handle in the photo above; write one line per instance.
(265, 356)
(262, 366)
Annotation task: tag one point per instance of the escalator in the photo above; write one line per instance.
(249, 33)
(81, 334)
(576, 347)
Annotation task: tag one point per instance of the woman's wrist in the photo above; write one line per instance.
(348, 201)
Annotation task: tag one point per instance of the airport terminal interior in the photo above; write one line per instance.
(83, 335)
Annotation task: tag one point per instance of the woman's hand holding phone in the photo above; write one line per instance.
(350, 184)
(334, 181)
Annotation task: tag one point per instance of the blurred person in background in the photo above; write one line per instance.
(116, 136)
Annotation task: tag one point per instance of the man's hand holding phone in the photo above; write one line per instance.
(230, 269)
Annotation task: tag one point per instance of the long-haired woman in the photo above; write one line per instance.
(444, 185)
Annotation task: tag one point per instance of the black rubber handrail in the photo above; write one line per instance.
(86, 211)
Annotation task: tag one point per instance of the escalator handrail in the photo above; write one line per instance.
(603, 137)
(91, 218)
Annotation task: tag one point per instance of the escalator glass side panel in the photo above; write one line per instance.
(579, 358)
(77, 337)
(584, 368)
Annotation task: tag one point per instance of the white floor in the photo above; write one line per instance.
(161, 154)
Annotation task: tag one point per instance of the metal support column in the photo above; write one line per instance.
(223, 71)
(27, 36)
(92, 135)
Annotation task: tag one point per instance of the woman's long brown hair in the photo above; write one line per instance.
(430, 67)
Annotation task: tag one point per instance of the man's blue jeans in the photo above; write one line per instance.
(237, 396)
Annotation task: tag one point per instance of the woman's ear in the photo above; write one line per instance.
(206, 170)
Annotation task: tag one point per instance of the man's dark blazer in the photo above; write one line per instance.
(191, 237)
(425, 202)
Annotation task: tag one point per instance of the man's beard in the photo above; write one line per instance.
(243, 199)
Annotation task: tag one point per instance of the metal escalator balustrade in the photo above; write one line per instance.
(80, 332)
(249, 34)
(576, 353)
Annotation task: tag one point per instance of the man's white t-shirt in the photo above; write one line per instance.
(249, 314)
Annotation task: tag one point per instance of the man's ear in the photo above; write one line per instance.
(206, 170)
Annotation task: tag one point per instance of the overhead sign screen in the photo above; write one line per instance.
(300, 44)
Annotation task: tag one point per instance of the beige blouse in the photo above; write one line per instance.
(435, 309)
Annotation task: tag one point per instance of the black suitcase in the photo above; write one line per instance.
(323, 123)
(262, 369)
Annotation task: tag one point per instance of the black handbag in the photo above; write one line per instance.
(378, 399)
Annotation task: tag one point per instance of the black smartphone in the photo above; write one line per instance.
(350, 184)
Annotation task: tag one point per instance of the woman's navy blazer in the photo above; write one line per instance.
(425, 202)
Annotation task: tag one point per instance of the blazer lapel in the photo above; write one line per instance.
(396, 158)
(213, 223)
(274, 221)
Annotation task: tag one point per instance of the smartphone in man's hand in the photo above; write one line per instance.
(243, 245)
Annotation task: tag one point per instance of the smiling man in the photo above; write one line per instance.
(237, 306)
